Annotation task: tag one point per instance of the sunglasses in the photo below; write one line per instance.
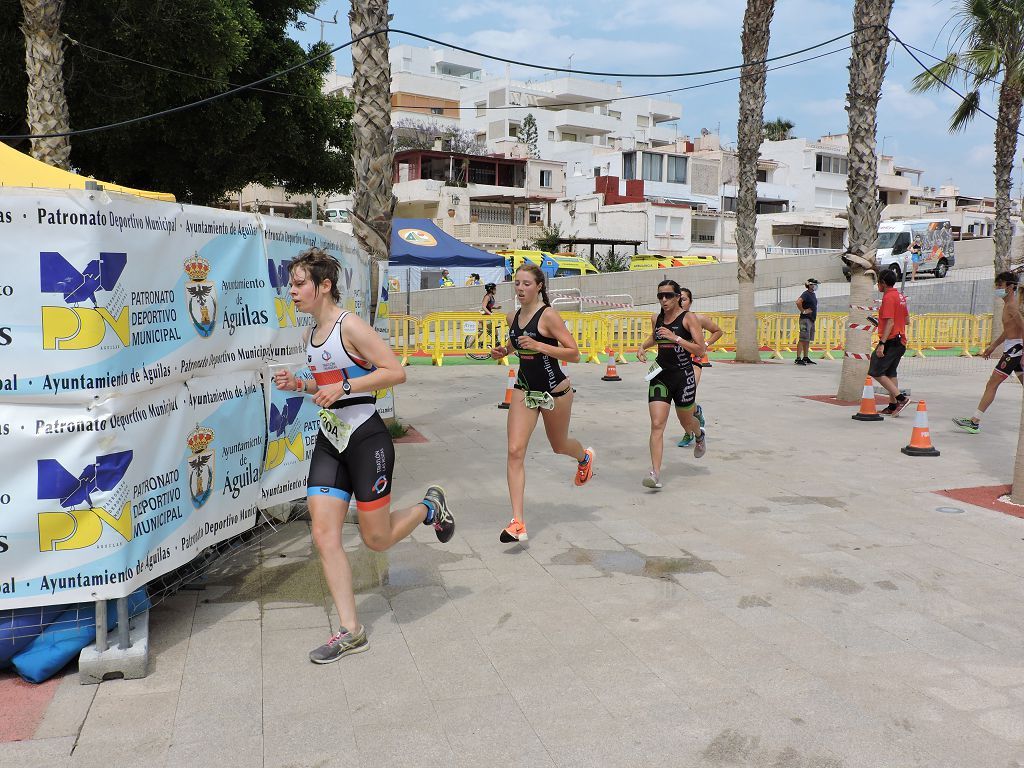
(667, 295)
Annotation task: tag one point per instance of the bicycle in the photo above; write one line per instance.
(481, 341)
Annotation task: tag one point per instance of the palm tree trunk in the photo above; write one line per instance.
(44, 63)
(867, 70)
(749, 132)
(1006, 149)
(373, 156)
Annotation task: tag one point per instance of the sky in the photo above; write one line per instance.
(631, 36)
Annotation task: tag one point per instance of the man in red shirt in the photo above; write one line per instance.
(892, 342)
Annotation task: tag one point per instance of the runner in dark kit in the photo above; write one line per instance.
(679, 338)
(353, 455)
(537, 334)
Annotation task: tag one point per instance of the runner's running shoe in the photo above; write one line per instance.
(444, 521)
(585, 471)
(343, 643)
(889, 410)
(514, 531)
(968, 425)
(699, 413)
(687, 440)
(808, 361)
(901, 402)
(700, 446)
(652, 481)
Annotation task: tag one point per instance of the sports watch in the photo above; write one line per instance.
(346, 387)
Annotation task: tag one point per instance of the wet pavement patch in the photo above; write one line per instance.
(840, 584)
(632, 562)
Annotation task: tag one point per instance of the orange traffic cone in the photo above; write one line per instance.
(867, 412)
(610, 373)
(508, 389)
(920, 440)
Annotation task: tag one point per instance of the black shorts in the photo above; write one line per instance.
(887, 364)
(677, 386)
(363, 470)
(1010, 362)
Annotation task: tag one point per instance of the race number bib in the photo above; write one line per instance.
(335, 430)
(652, 371)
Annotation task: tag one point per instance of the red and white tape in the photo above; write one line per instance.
(856, 355)
(861, 327)
(866, 309)
(601, 302)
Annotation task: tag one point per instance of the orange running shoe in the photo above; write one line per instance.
(586, 467)
(515, 531)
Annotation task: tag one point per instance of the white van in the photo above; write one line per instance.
(896, 237)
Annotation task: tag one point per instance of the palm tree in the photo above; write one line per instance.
(756, 34)
(867, 70)
(44, 62)
(778, 129)
(989, 48)
(373, 156)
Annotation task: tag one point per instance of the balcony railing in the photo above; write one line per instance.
(492, 236)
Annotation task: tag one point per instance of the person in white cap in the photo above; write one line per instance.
(808, 306)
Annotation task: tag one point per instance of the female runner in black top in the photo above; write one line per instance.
(680, 339)
(537, 334)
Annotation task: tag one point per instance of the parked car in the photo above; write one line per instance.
(552, 264)
(643, 261)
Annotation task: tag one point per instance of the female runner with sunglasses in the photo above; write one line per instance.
(537, 334)
(680, 339)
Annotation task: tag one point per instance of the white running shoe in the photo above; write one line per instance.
(652, 481)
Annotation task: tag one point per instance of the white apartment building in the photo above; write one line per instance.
(570, 111)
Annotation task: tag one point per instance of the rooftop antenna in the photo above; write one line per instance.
(333, 20)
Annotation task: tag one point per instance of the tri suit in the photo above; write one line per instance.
(364, 468)
(537, 372)
(676, 381)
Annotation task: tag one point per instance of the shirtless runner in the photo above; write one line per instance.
(1013, 346)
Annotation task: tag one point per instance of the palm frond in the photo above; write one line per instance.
(946, 70)
(965, 112)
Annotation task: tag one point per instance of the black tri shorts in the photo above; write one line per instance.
(363, 469)
(1010, 362)
(677, 386)
(889, 362)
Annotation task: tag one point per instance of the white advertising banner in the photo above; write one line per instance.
(113, 495)
(134, 423)
(113, 293)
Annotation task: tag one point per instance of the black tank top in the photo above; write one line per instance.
(537, 372)
(490, 302)
(671, 356)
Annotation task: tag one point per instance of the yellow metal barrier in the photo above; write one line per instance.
(403, 331)
(459, 333)
(727, 322)
(589, 331)
(625, 332)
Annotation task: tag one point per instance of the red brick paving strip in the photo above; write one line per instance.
(22, 705)
(986, 496)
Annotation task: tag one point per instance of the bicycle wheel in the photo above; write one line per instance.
(473, 350)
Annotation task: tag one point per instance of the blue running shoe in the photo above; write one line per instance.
(700, 415)
(687, 440)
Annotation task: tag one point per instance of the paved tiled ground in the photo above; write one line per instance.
(793, 600)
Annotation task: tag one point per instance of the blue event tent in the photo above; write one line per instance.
(420, 250)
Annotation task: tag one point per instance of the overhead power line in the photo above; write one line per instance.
(599, 102)
(946, 85)
(306, 62)
(162, 68)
